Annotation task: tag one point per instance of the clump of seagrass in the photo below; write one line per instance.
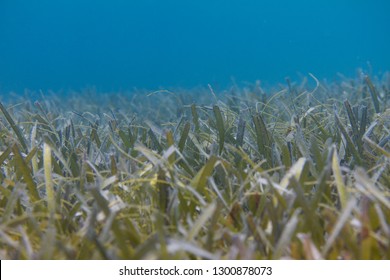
(296, 173)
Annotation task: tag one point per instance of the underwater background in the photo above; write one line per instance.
(194, 130)
(123, 45)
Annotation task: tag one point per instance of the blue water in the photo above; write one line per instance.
(122, 45)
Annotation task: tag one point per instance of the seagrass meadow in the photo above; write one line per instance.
(300, 171)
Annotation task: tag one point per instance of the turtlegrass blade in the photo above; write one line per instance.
(311, 218)
(60, 157)
(122, 236)
(33, 138)
(301, 143)
(366, 185)
(200, 179)
(341, 189)
(363, 121)
(321, 186)
(49, 180)
(31, 155)
(163, 191)
(171, 150)
(374, 94)
(5, 155)
(147, 248)
(184, 136)
(155, 142)
(351, 118)
(48, 243)
(343, 218)
(21, 165)
(125, 138)
(240, 132)
(311, 251)
(207, 213)
(220, 127)
(169, 137)
(180, 246)
(195, 117)
(259, 234)
(11, 202)
(14, 127)
(350, 144)
(114, 168)
(95, 136)
(286, 236)
(100, 200)
(213, 226)
(354, 125)
(376, 147)
(295, 171)
(263, 138)
(316, 153)
(324, 133)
